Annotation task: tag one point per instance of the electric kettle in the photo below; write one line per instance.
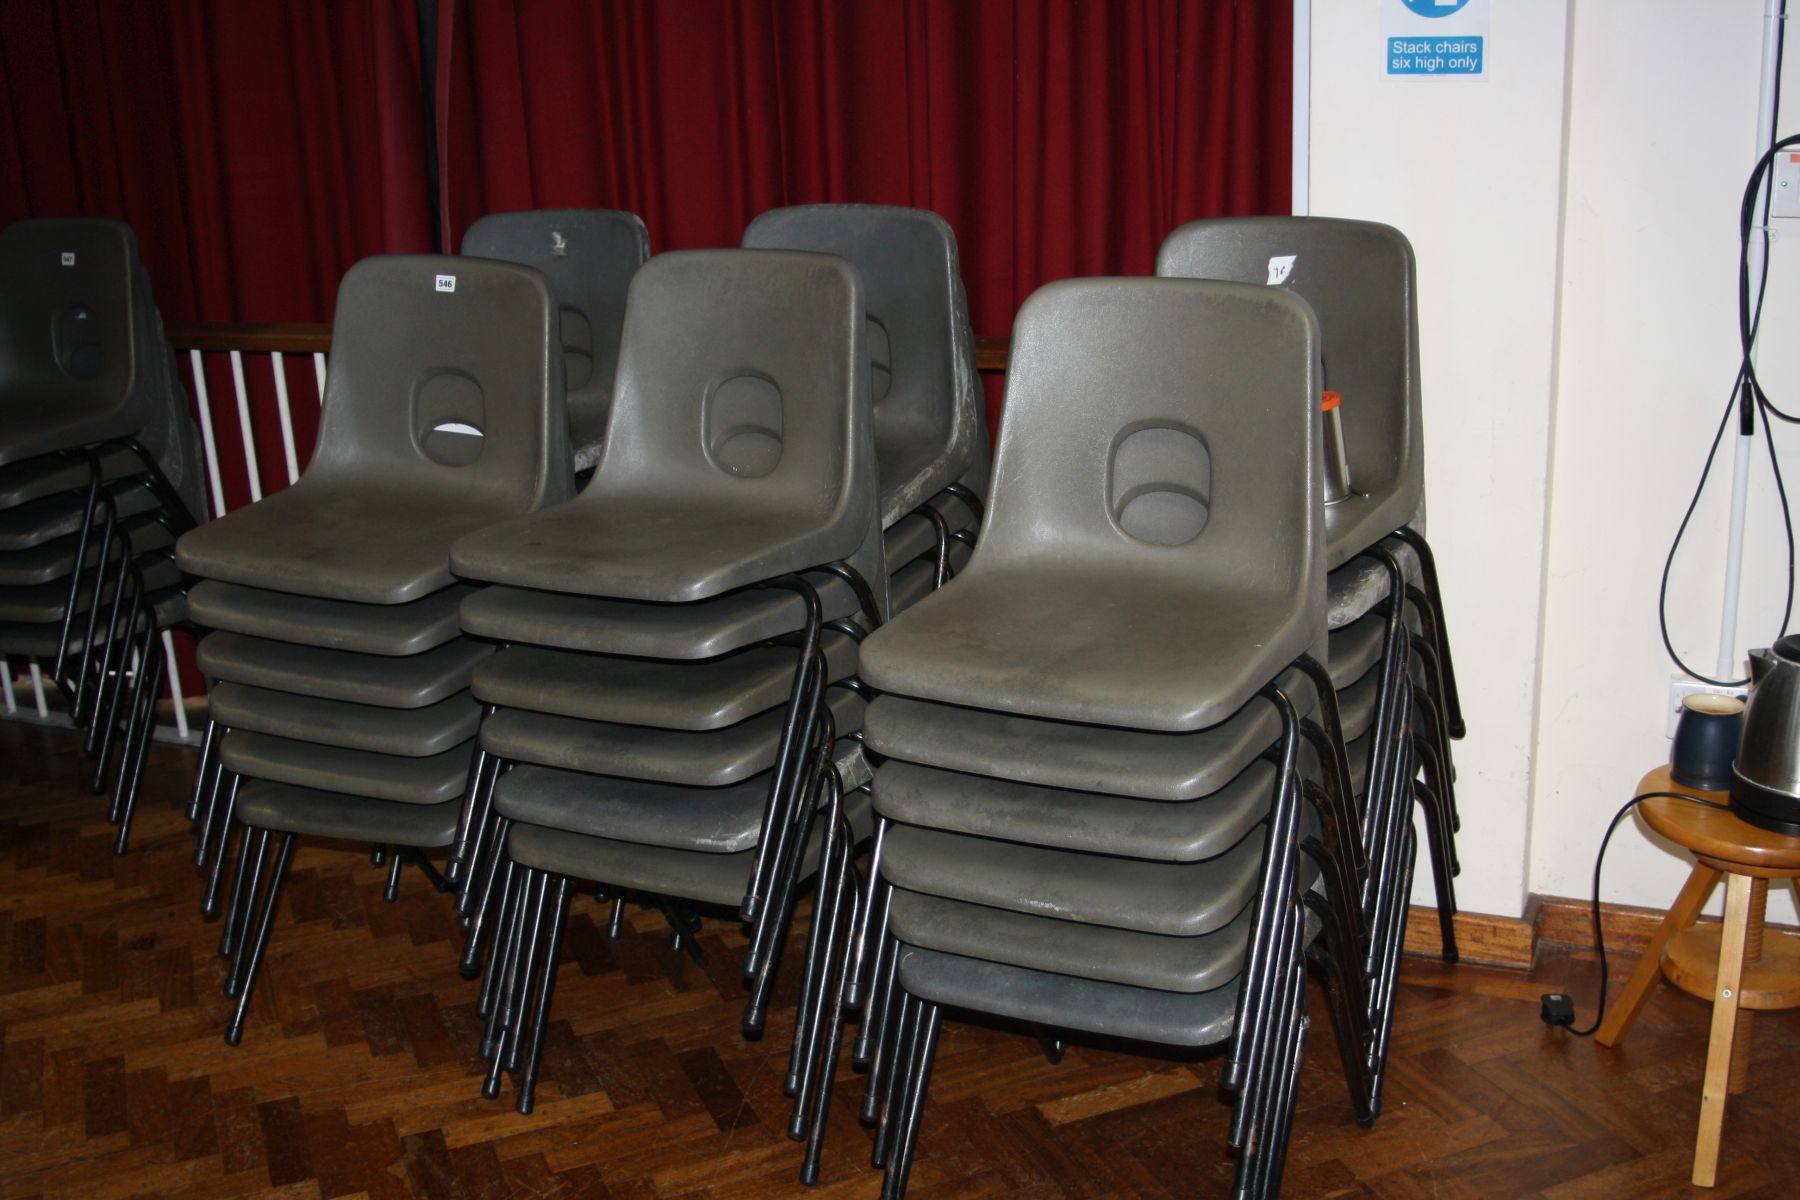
(1765, 780)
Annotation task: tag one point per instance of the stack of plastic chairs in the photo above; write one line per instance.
(340, 698)
(1359, 278)
(587, 256)
(1112, 760)
(99, 473)
(931, 443)
(676, 679)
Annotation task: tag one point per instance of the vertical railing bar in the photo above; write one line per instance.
(243, 407)
(175, 696)
(37, 690)
(319, 373)
(287, 418)
(6, 683)
(204, 403)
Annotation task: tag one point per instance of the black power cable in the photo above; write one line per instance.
(1558, 1007)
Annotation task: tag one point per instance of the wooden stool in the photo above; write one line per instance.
(1738, 965)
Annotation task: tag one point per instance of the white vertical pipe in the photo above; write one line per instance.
(37, 690)
(1774, 13)
(243, 407)
(287, 418)
(204, 404)
(319, 373)
(175, 697)
(6, 683)
(1301, 171)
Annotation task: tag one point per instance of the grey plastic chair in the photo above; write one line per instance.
(930, 422)
(588, 256)
(442, 415)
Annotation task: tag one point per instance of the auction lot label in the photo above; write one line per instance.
(1436, 37)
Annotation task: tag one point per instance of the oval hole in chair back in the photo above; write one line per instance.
(744, 426)
(577, 348)
(448, 417)
(1159, 485)
(881, 360)
(76, 341)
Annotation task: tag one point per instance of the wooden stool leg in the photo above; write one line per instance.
(1693, 897)
(1724, 1028)
(1753, 948)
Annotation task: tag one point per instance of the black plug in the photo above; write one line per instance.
(1558, 1009)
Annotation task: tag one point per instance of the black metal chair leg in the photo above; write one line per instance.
(481, 920)
(540, 1017)
(209, 807)
(81, 549)
(131, 767)
(504, 916)
(258, 944)
(791, 752)
(378, 855)
(514, 1000)
(209, 756)
(896, 1061)
(256, 846)
(209, 899)
(877, 1018)
(236, 909)
(808, 1047)
(1428, 572)
(828, 897)
(827, 1068)
(866, 935)
(1441, 875)
(109, 686)
(481, 832)
(931, 1023)
(390, 892)
(465, 825)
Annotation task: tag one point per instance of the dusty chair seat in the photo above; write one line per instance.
(913, 534)
(1355, 588)
(708, 694)
(40, 521)
(39, 640)
(722, 820)
(44, 603)
(386, 682)
(708, 758)
(36, 478)
(1354, 649)
(55, 559)
(397, 630)
(918, 579)
(1072, 645)
(696, 876)
(283, 808)
(1086, 758)
(1124, 956)
(434, 779)
(53, 422)
(409, 732)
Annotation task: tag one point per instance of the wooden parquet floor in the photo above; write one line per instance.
(358, 1073)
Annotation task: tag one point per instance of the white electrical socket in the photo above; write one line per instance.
(1682, 686)
(1784, 200)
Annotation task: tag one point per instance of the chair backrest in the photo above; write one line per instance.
(743, 387)
(445, 375)
(1163, 427)
(930, 424)
(588, 256)
(67, 318)
(1358, 277)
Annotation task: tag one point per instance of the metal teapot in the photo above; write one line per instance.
(1765, 780)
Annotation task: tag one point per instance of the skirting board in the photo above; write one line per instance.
(1495, 941)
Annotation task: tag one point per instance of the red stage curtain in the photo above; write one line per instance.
(1059, 137)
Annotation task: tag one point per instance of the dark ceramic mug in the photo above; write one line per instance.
(1706, 741)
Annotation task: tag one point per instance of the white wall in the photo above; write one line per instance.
(1575, 223)
(1470, 171)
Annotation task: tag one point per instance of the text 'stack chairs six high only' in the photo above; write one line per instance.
(341, 704)
(99, 473)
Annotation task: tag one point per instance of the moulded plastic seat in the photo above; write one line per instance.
(387, 682)
(1354, 649)
(59, 516)
(1090, 822)
(913, 534)
(913, 582)
(32, 640)
(424, 349)
(36, 478)
(411, 732)
(287, 809)
(690, 875)
(738, 448)
(1119, 956)
(930, 418)
(1176, 899)
(55, 559)
(1362, 583)
(432, 780)
(1356, 705)
(44, 602)
(68, 336)
(388, 629)
(1358, 277)
(705, 629)
(1063, 1002)
(588, 256)
(668, 695)
(1084, 758)
(724, 820)
(711, 758)
(1149, 556)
